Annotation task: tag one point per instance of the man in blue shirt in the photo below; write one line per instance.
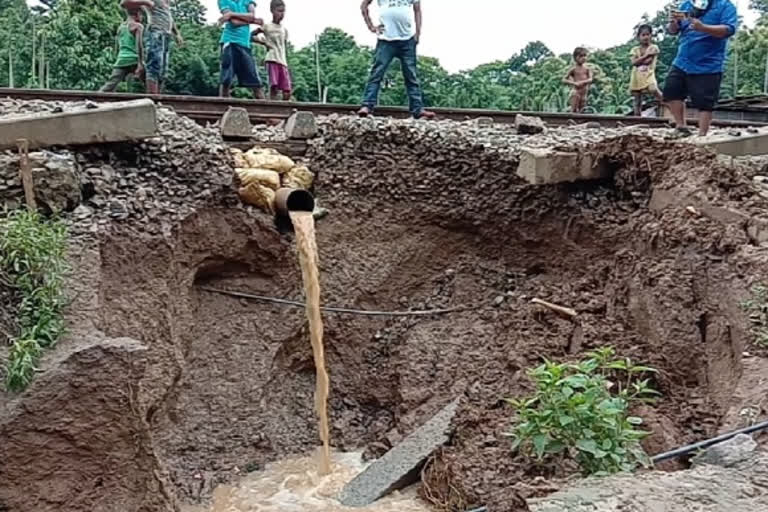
(236, 58)
(704, 27)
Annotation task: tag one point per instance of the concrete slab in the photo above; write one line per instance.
(400, 466)
(547, 167)
(110, 122)
(745, 144)
(235, 123)
(301, 125)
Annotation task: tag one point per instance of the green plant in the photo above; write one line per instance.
(757, 307)
(581, 410)
(32, 257)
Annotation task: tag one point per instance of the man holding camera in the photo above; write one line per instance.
(704, 27)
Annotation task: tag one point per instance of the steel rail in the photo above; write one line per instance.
(205, 108)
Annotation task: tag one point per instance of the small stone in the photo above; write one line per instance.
(727, 453)
(484, 122)
(529, 125)
(498, 301)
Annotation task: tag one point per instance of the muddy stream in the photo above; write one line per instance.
(307, 483)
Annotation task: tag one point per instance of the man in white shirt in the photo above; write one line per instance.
(398, 31)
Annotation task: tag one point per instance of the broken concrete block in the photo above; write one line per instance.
(529, 124)
(737, 145)
(545, 167)
(399, 467)
(727, 453)
(235, 123)
(301, 125)
(111, 122)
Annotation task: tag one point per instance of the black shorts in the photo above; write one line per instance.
(704, 90)
(237, 61)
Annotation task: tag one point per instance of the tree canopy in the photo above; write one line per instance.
(69, 44)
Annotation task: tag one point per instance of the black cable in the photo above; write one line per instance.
(347, 311)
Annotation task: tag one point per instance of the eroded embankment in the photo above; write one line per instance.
(207, 386)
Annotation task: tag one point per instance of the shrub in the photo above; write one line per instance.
(582, 411)
(32, 257)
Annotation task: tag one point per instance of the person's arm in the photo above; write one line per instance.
(676, 18)
(367, 16)
(177, 34)
(567, 78)
(140, 47)
(249, 18)
(418, 16)
(729, 22)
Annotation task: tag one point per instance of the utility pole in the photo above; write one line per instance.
(34, 50)
(765, 78)
(10, 67)
(317, 69)
(735, 73)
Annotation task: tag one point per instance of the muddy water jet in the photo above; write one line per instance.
(306, 245)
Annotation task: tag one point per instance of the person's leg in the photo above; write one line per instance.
(166, 61)
(705, 91)
(575, 101)
(637, 102)
(117, 76)
(154, 61)
(273, 80)
(675, 92)
(245, 70)
(382, 58)
(408, 63)
(226, 71)
(284, 83)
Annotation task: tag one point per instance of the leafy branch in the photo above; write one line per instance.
(581, 410)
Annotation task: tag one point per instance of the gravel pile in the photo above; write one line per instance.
(150, 184)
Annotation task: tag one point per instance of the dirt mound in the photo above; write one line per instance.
(419, 219)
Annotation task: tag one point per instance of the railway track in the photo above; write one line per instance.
(210, 109)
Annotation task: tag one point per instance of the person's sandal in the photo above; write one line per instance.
(426, 115)
(364, 112)
(681, 132)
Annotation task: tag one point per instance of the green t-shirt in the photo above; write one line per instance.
(231, 34)
(126, 53)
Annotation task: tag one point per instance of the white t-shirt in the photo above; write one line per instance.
(397, 18)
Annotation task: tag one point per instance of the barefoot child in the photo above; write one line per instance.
(580, 78)
(276, 39)
(130, 51)
(643, 78)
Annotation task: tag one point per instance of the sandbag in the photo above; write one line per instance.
(239, 156)
(268, 159)
(259, 196)
(298, 177)
(263, 177)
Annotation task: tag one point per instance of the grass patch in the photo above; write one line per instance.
(757, 308)
(32, 260)
(581, 411)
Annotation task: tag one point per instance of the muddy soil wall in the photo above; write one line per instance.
(209, 386)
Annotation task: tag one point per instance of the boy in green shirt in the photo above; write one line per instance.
(130, 51)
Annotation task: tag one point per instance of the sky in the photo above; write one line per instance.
(463, 34)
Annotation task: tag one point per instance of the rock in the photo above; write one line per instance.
(484, 122)
(399, 467)
(301, 125)
(705, 488)
(235, 123)
(57, 182)
(529, 125)
(727, 453)
(86, 400)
